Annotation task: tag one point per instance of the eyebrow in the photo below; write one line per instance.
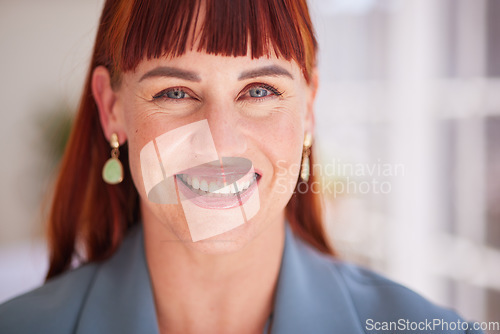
(171, 72)
(164, 71)
(266, 71)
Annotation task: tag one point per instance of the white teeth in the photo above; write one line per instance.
(196, 183)
(217, 188)
(242, 184)
(212, 187)
(223, 190)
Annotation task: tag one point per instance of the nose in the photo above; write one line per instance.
(226, 127)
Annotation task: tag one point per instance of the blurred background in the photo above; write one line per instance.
(408, 132)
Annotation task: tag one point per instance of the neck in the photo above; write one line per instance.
(200, 292)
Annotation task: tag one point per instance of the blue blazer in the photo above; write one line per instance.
(315, 294)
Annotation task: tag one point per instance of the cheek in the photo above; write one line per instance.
(286, 133)
(141, 129)
(280, 137)
(284, 140)
(286, 155)
(287, 152)
(136, 142)
(160, 146)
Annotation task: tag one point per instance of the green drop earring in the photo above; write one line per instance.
(112, 172)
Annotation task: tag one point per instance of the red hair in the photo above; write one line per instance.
(88, 217)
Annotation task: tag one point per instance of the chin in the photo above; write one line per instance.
(230, 241)
(175, 227)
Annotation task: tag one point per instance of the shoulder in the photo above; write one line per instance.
(51, 308)
(377, 303)
(380, 300)
(88, 299)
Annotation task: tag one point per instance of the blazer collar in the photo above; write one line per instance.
(310, 296)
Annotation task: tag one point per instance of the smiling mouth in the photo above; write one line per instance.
(219, 187)
(216, 186)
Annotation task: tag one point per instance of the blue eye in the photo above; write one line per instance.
(172, 94)
(175, 94)
(258, 92)
(261, 91)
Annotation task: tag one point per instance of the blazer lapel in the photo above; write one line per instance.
(121, 299)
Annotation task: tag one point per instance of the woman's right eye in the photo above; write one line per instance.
(172, 93)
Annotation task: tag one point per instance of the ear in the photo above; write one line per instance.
(309, 124)
(106, 99)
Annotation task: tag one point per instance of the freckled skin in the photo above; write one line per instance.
(269, 130)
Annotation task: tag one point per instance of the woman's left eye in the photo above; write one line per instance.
(258, 92)
(261, 91)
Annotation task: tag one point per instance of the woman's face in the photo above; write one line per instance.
(196, 115)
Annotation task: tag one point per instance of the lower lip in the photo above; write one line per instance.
(218, 203)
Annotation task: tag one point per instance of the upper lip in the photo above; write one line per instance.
(231, 166)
